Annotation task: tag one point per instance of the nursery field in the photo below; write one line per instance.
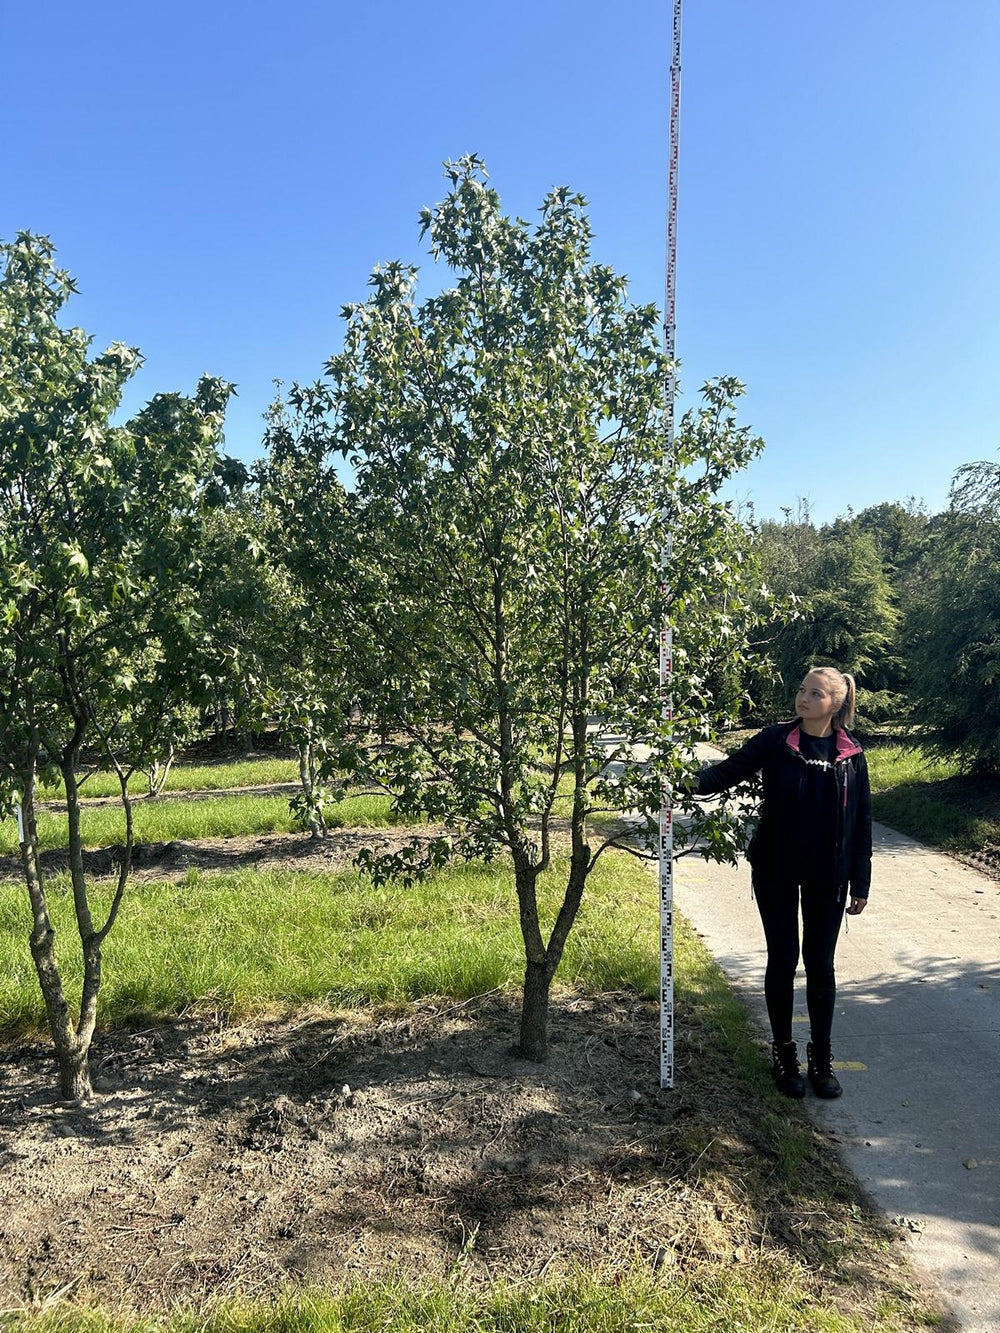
(310, 1116)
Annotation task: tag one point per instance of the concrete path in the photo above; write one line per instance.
(916, 1042)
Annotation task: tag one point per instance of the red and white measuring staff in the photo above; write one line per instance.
(666, 554)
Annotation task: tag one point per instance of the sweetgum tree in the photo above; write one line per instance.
(493, 576)
(100, 529)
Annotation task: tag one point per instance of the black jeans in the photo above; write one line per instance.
(778, 896)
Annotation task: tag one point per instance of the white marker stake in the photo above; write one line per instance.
(666, 553)
(20, 826)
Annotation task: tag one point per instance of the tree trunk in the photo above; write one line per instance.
(533, 1044)
(535, 1012)
(71, 1054)
(74, 1072)
(159, 772)
(307, 775)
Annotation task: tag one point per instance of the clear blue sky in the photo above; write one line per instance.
(222, 177)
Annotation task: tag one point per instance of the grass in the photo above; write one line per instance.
(189, 777)
(931, 800)
(254, 939)
(212, 817)
(709, 1297)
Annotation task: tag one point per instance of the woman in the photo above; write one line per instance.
(814, 840)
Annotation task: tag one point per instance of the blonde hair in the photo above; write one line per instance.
(844, 691)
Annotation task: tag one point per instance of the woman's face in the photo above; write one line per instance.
(815, 700)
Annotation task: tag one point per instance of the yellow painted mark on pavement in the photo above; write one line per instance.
(848, 1064)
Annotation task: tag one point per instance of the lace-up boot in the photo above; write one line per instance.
(785, 1068)
(821, 1075)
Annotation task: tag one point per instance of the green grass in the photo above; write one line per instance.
(931, 800)
(708, 1297)
(254, 938)
(892, 764)
(189, 777)
(213, 817)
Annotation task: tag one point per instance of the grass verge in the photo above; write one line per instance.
(930, 800)
(706, 1298)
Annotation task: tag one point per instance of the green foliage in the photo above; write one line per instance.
(954, 629)
(307, 687)
(494, 575)
(847, 609)
(99, 572)
(99, 533)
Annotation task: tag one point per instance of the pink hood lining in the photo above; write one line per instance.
(846, 745)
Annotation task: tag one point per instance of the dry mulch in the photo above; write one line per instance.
(320, 1147)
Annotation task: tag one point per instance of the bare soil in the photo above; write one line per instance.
(288, 851)
(319, 1147)
(221, 1160)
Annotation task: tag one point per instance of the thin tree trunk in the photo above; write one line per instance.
(159, 772)
(307, 770)
(90, 941)
(533, 1043)
(71, 1054)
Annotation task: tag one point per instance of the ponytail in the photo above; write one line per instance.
(844, 717)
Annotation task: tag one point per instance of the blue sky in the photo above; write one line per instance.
(221, 178)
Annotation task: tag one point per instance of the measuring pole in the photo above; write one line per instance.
(666, 554)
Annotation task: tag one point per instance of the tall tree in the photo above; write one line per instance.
(953, 628)
(847, 611)
(99, 573)
(494, 579)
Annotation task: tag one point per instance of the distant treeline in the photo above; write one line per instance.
(907, 601)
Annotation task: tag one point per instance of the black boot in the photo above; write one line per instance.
(821, 1075)
(785, 1068)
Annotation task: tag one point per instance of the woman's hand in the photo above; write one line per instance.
(857, 906)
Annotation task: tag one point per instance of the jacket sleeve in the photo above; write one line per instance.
(740, 765)
(861, 852)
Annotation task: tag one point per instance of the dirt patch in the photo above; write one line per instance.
(289, 851)
(228, 1160)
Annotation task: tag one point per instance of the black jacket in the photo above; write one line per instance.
(774, 753)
